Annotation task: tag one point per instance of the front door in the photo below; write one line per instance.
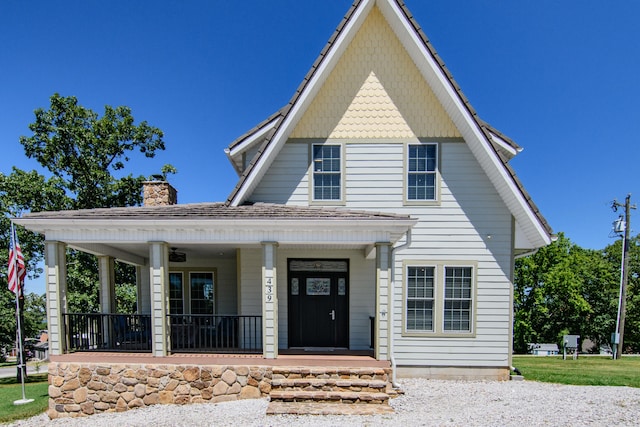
(318, 303)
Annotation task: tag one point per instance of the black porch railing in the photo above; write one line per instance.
(189, 333)
(195, 333)
(107, 332)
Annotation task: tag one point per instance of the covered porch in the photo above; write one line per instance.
(214, 279)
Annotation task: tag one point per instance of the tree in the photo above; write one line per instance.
(82, 153)
(20, 192)
(35, 314)
(562, 289)
(613, 255)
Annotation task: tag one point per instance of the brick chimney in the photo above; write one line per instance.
(159, 193)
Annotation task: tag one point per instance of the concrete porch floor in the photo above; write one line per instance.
(348, 360)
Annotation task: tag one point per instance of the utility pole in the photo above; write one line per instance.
(622, 305)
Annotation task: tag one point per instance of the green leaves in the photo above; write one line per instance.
(83, 150)
(84, 156)
(565, 288)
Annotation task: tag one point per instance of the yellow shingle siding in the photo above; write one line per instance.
(375, 91)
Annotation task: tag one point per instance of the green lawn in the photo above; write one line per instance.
(36, 387)
(586, 370)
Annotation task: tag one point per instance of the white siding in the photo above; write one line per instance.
(374, 102)
(250, 282)
(290, 182)
(470, 223)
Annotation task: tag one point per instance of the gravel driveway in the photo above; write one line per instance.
(425, 403)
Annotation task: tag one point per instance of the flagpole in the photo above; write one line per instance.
(20, 344)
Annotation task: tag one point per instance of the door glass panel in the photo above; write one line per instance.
(342, 286)
(318, 265)
(319, 286)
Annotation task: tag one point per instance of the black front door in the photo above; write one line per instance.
(318, 303)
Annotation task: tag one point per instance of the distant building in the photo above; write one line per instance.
(544, 349)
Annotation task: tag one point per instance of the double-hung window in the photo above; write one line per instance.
(422, 166)
(327, 172)
(458, 285)
(439, 298)
(420, 298)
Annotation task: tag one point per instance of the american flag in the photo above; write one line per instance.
(17, 269)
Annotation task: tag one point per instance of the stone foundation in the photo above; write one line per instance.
(79, 389)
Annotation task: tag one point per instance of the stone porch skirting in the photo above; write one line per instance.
(86, 384)
(77, 390)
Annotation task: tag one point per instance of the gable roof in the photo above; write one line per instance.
(491, 148)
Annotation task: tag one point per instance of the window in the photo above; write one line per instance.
(202, 293)
(326, 172)
(457, 299)
(176, 300)
(421, 171)
(439, 298)
(420, 298)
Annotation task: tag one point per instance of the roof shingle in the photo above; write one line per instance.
(219, 211)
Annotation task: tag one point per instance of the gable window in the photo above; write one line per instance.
(420, 298)
(422, 167)
(326, 172)
(457, 299)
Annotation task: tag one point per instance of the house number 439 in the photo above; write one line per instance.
(269, 289)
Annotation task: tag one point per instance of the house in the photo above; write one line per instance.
(375, 215)
(544, 349)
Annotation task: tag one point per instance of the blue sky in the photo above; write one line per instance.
(559, 77)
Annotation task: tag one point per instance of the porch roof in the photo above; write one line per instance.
(212, 228)
(198, 211)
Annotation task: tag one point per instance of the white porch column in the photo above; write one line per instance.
(106, 275)
(159, 278)
(269, 301)
(56, 292)
(383, 294)
(106, 269)
(144, 289)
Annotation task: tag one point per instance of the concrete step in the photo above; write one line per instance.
(314, 408)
